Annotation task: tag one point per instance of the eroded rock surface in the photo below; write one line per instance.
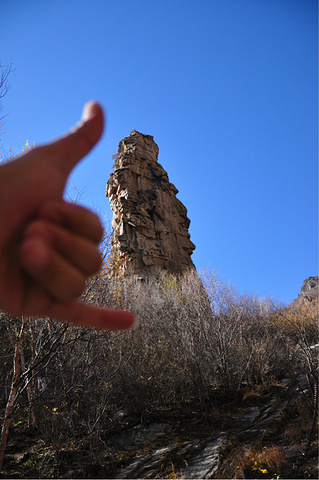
(205, 457)
(310, 289)
(309, 293)
(150, 223)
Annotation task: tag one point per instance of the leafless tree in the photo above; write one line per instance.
(5, 71)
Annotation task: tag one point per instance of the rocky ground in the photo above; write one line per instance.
(258, 433)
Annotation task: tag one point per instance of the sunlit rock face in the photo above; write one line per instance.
(150, 224)
(309, 292)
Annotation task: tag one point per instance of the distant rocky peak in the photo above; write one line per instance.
(309, 292)
(309, 288)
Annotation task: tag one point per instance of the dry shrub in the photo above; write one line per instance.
(197, 335)
(268, 461)
(254, 462)
(297, 326)
(298, 425)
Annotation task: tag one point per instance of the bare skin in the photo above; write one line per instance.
(48, 246)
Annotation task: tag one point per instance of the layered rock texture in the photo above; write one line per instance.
(309, 289)
(309, 292)
(150, 224)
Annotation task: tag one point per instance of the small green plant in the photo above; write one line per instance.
(29, 464)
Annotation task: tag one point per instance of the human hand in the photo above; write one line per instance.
(47, 246)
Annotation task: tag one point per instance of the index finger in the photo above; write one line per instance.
(74, 217)
(85, 315)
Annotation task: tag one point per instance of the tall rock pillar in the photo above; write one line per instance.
(150, 225)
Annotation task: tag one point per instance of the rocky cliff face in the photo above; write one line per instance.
(150, 224)
(309, 289)
(309, 292)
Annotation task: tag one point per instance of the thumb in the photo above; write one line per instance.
(67, 151)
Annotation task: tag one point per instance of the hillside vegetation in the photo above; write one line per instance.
(199, 342)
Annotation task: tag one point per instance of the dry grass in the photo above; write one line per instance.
(254, 462)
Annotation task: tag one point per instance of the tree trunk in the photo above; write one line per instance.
(13, 393)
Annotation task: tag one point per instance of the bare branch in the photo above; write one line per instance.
(5, 71)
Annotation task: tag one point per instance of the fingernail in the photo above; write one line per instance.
(89, 110)
(136, 323)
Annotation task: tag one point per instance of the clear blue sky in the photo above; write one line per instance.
(228, 89)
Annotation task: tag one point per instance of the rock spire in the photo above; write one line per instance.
(150, 224)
